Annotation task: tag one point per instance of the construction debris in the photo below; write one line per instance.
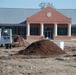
(19, 41)
(22, 41)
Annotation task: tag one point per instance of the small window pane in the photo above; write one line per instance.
(62, 31)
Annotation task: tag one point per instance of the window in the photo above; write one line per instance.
(73, 31)
(62, 31)
(34, 30)
(13, 30)
(6, 32)
(21, 30)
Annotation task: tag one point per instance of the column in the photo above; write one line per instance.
(55, 29)
(69, 29)
(42, 29)
(28, 29)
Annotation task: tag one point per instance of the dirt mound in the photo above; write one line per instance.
(42, 48)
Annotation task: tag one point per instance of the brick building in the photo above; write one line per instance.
(56, 24)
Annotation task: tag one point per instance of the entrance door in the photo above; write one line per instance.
(48, 34)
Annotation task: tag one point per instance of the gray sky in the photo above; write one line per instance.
(59, 4)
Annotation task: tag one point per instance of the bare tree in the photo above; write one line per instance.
(42, 5)
(45, 4)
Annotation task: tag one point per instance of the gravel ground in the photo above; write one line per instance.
(46, 66)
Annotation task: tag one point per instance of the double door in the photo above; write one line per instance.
(48, 32)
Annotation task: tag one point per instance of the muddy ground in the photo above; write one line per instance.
(21, 65)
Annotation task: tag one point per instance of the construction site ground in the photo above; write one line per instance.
(22, 65)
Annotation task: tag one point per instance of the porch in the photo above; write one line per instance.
(52, 31)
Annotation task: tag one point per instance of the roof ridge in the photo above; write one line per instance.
(20, 8)
(34, 8)
(66, 9)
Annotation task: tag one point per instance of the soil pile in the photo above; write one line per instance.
(42, 48)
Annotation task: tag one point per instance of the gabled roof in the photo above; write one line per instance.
(19, 15)
(49, 15)
(15, 15)
(71, 13)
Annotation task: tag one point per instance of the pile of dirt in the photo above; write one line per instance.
(42, 48)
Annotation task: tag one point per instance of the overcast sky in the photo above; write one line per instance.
(59, 4)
